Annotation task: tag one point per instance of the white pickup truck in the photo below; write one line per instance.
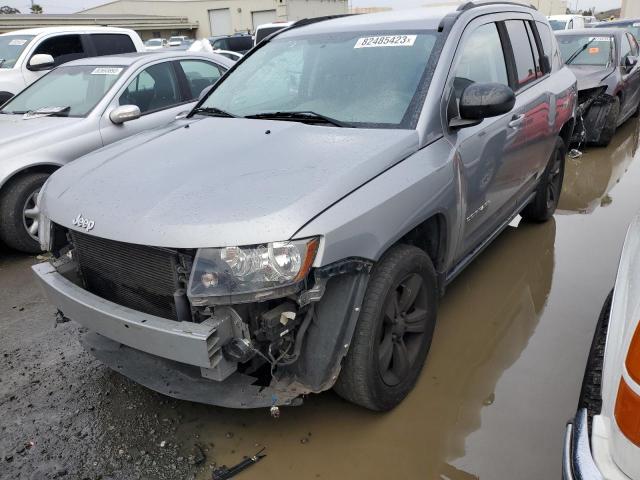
(26, 55)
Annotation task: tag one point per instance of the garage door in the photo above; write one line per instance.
(262, 17)
(220, 21)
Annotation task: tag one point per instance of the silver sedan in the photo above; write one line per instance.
(80, 107)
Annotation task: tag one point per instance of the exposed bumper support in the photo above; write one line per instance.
(577, 460)
(185, 342)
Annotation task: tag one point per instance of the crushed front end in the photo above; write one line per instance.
(239, 327)
(593, 112)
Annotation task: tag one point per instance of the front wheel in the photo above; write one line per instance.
(544, 204)
(394, 331)
(18, 215)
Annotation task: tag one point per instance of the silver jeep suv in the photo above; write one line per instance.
(295, 232)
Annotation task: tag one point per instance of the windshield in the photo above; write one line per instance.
(352, 78)
(79, 88)
(585, 49)
(558, 24)
(11, 46)
(153, 43)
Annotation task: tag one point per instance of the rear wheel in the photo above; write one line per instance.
(394, 331)
(18, 215)
(544, 204)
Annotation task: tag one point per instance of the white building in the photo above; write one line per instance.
(550, 7)
(224, 17)
(630, 9)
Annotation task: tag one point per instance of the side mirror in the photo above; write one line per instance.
(41, 61)
(483, 100)
(204, 92)
(124, 113)
(630, 62)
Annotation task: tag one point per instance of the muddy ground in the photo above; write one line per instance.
(501, 380)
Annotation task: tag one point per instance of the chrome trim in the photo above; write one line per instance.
(577, 460)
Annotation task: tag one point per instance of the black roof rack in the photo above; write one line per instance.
(482, 3)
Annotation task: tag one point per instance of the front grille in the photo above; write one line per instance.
(134, 276)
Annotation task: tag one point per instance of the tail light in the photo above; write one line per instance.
(627, 411)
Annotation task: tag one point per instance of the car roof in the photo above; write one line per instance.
(589, 31)
(423, 18)
(71, 28)
(129, 59)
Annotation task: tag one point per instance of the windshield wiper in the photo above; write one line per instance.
(44, 112)
(575, 54)
(304, 117)
(2, 60)
(213, 112)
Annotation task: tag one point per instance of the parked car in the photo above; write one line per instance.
(235, 56)
(178, 40)
(240, 43)
(26, 55)
(80, 107)
(631, 24)
(606, 65)
(155, 44)
(294, 233)
(263, 31)
(602, 442)
(566, 22)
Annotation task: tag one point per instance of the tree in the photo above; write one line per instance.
(8, 10)
(35, 8)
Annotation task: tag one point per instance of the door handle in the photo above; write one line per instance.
(516, 121)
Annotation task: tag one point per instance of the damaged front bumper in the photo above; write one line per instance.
(186, 360)
(594, 108)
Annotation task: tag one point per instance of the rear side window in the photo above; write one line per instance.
(63, 48)
(522, 52)
(112, 43)
(200, 75)
(240, 43)
(534, 48)
(546, 41)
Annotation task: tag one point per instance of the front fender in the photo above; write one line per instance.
(11, 167)
(374, 217)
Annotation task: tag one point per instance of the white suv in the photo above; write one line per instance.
(26, 55)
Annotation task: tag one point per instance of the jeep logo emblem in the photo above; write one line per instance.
(84, 223)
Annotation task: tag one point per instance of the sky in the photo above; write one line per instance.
(70, 6)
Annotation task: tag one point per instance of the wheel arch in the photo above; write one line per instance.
(566, 132)
(431, 237)
(33, 168)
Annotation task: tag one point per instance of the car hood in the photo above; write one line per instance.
(590, 76)
(19, 132)
(208, 182)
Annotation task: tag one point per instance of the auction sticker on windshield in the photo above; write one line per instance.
(106, 71)
(17, 42)
(386, 41)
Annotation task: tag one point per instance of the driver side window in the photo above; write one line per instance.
(481, 60)
(625, 48)
(155, 88)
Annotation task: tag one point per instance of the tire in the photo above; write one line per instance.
(544, 204)
(374, 375)
(591, 393)
(610, 125)
(15, 195)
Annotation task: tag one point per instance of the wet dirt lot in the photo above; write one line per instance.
(502, 378)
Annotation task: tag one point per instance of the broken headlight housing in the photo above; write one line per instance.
(250, 274)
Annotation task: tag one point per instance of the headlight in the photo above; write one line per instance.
(248, 274)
